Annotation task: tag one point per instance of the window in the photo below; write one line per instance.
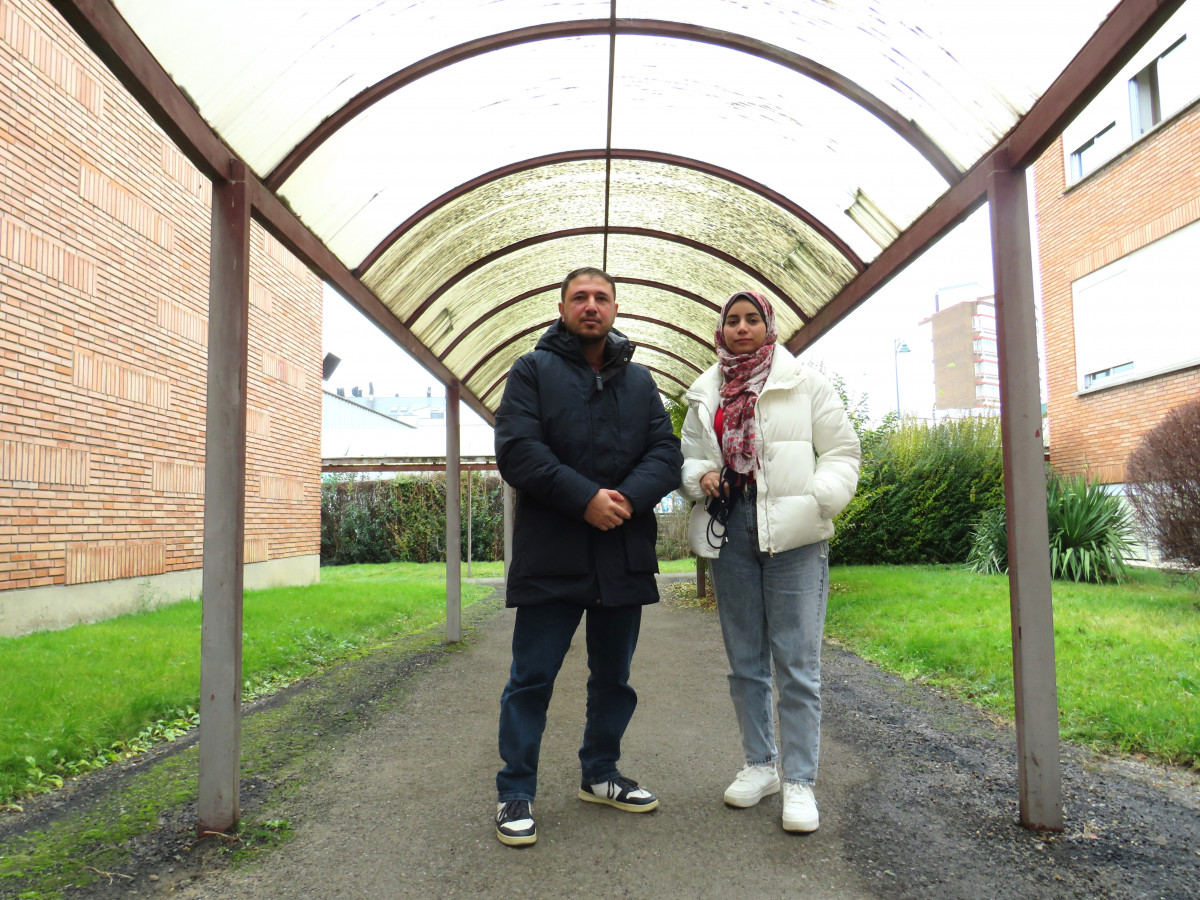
(1097, 150)
(1137, 317)
(984, 325)
(987, 370)
(1093, 378)
(1162, 87)
(985, 346)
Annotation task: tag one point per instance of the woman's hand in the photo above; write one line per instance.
(710, 483)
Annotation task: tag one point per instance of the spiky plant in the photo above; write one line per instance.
(1089, 527)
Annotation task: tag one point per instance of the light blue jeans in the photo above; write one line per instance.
(772, 608)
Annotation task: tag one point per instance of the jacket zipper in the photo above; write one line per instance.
(763, 468)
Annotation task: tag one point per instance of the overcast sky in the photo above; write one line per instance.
(860, 348)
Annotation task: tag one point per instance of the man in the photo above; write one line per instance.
(582, 435)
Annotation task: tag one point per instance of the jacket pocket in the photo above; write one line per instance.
(641, 537)
(546, 542)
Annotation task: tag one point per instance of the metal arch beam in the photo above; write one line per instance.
(664, 351)
(533, 292)
(599, 229)
(667, 375)
(907, 129)
(684, 162)
(671, 289)
(110, 37)
(495, 384)
(1112, 46)
(546, 323)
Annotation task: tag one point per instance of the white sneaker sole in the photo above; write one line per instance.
(802, 826)
(516, 840)
(628, 807)
(751, 800)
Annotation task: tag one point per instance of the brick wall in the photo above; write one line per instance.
(104, 237)
(1150, 191)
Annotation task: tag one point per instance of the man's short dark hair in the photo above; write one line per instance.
(587, 270)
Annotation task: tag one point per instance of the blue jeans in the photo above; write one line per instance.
(772, 608)
(541, 639)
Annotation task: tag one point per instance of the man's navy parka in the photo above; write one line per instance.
(563, 432)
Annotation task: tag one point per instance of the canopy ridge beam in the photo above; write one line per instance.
(608, 125)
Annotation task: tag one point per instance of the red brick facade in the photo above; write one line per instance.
(1144, 194)
(104, 241)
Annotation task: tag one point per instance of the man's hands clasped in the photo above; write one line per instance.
(608, 509)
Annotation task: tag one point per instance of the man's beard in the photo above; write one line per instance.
(590, 337)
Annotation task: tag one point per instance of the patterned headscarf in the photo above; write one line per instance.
(745, 374)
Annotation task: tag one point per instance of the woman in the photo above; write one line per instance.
(770, 451)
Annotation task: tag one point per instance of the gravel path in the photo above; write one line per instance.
(917, 796)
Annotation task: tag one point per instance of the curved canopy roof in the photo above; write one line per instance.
(460, 156)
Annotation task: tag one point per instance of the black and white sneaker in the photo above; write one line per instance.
(514, 823)
(621, 792)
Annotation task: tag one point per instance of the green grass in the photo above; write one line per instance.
(82, 697)
(687, 564)
(1127, 655)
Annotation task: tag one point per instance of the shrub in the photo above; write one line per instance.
(1164, 477)
(1089, 533)
(673, 530)
(920, 489)
(403, 519)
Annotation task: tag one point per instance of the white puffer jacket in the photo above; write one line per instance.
(810, 456)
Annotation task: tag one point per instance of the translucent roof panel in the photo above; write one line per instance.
(483, 314)
(644, 258)
(444, 129)
(265, 74)
(463, 155)
(479, 291)
(776, 126)
(778, 244)
(493, 216)
(962, 71)
(699, 207)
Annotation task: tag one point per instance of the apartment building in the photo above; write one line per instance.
(1118, 214)
(966, 366)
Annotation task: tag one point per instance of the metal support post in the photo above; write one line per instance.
(453, 519)
(470, 516)
(224, 506)
(1034, 680)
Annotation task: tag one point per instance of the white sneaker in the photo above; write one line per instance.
(751, 785)
(799, 808)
